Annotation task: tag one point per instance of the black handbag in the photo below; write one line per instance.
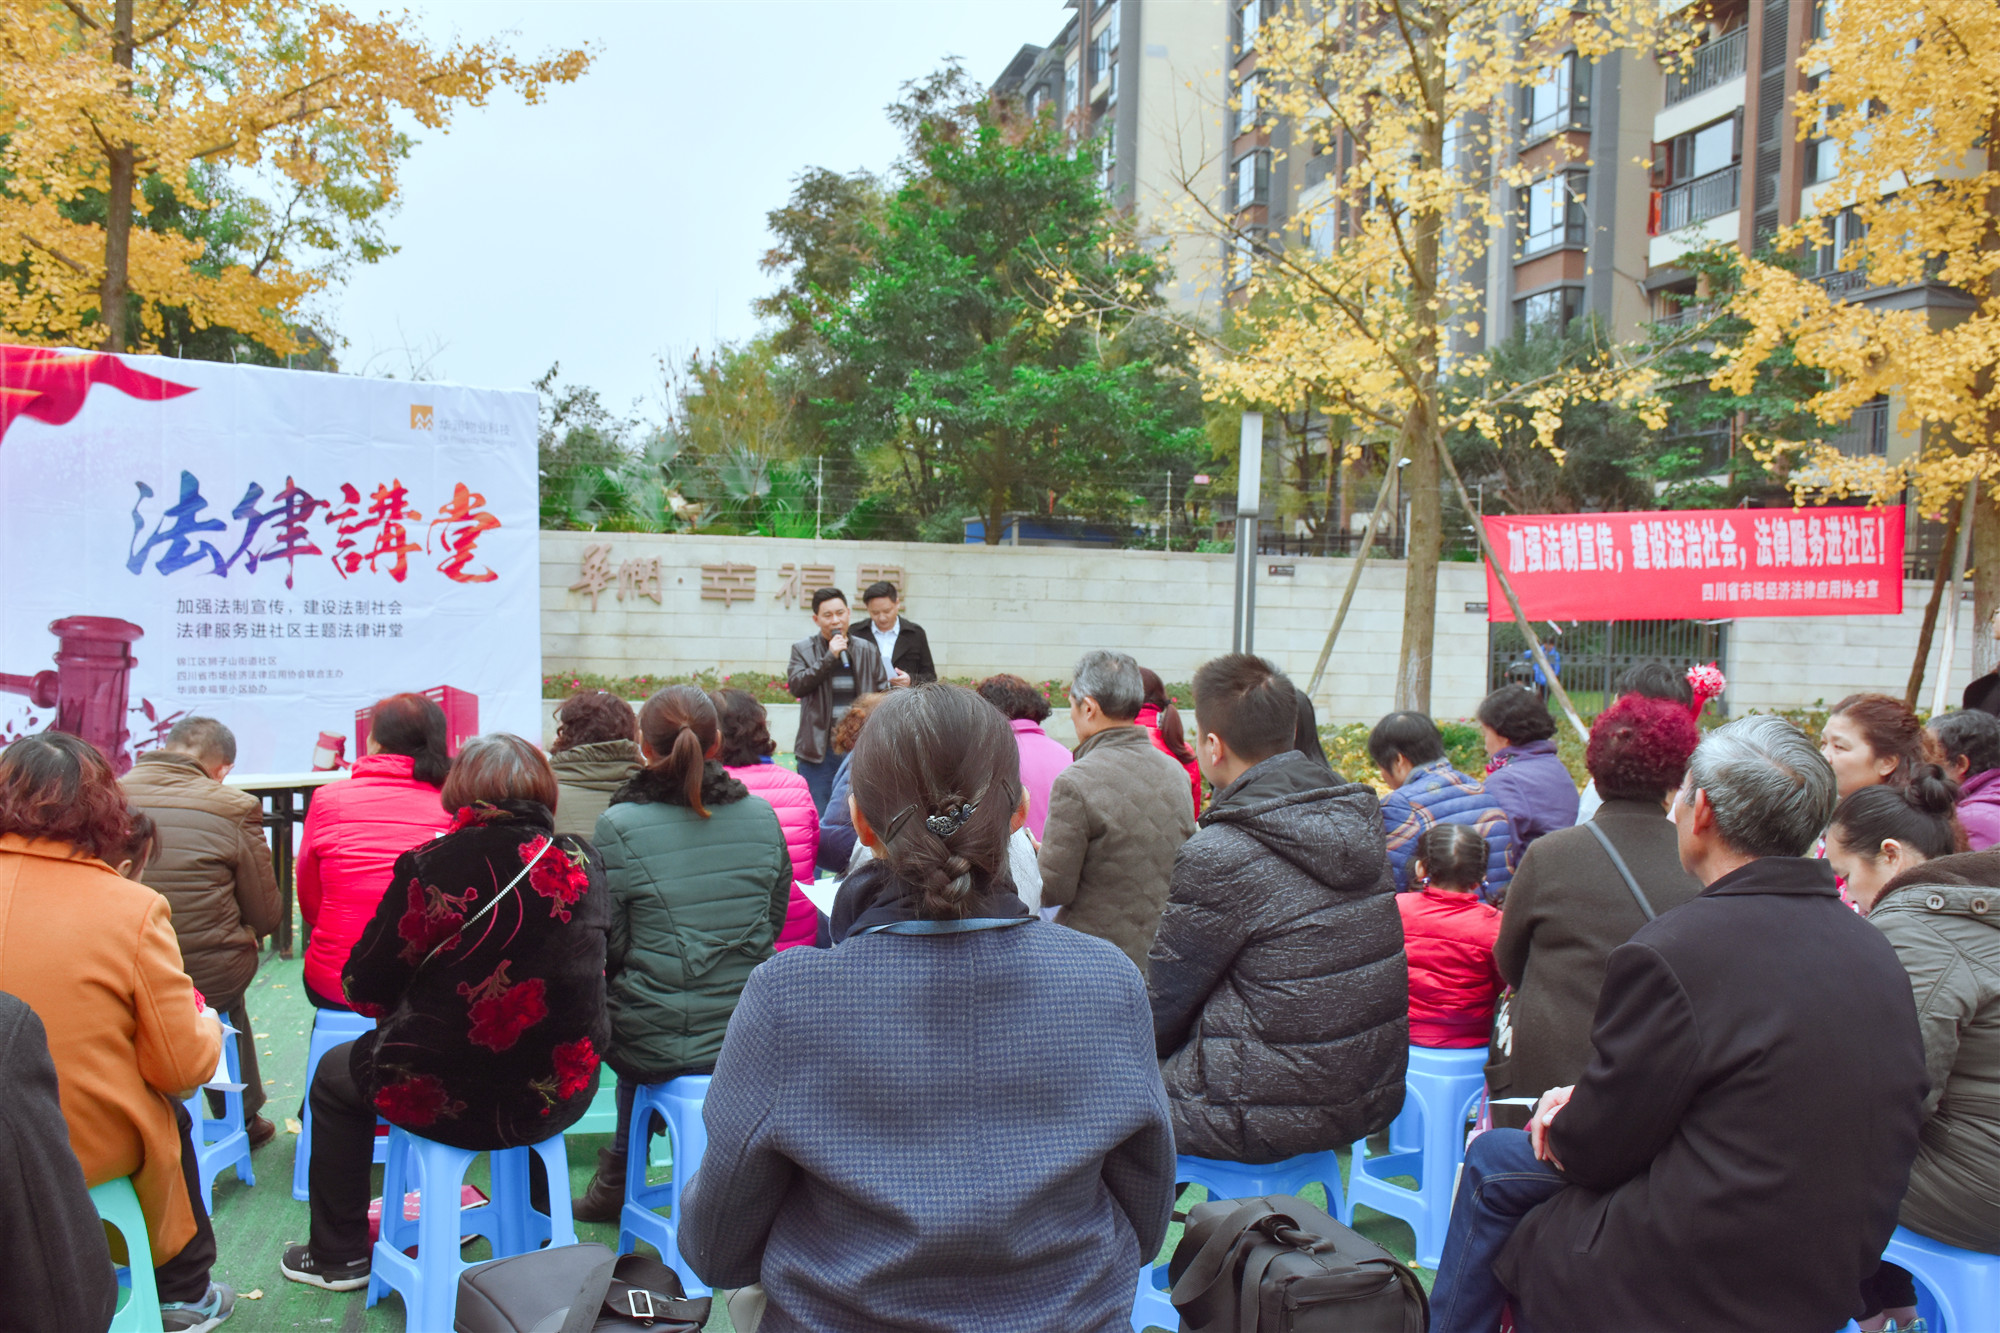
(576, 1289)
(1280, 1265)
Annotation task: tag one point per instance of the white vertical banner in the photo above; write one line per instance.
(276, 549)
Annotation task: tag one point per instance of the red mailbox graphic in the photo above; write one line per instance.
(91, 685)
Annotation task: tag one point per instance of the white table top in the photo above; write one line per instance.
(281, 781)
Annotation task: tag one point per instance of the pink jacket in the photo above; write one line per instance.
(355, 830)
(799, 818)
(1042, 757)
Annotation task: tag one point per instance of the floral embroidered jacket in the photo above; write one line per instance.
(495, 1041)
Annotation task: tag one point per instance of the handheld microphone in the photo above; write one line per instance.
(845, 665)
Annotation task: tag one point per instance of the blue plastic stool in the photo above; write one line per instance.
(679, 1102)
(1958, 1291)
(1233, 1180)
(225, 1142)
(331, 1027)
(429, 1282)
(1441, 1090)
(118, 1204)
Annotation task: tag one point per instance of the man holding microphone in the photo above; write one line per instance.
(826, 674)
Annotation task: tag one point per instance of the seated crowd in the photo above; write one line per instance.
(1753, 997)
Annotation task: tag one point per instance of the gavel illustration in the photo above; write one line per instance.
(90, 688)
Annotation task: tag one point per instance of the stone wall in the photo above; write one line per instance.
(1033, 610)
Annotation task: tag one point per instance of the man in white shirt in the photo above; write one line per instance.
(904, 648)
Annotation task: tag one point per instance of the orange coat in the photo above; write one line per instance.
(95, 957)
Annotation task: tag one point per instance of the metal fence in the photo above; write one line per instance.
(1715, 63)
(1590, 655)
(1700, 199)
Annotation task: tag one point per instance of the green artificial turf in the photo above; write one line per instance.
(254, 1225)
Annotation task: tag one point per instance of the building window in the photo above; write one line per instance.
(1107, 155)
(1822, 153)
(1552, 213)
(1712, 148)
(1842, 234)
(1248, 16)
(1243, 258)
(1548, 314)
(1246, 110)
(1558, 99)
(1252, 179)
(1069, 92)
(1104, 56)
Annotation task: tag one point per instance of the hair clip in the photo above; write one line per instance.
(951, 821)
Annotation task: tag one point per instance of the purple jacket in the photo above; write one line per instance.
(1979, 809)
(1534, 788)
(1042, 757)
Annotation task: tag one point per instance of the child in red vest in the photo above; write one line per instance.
(1448, 936)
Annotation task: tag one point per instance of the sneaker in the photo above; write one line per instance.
(261, 1131)
(299, 1265)
(199, 1316)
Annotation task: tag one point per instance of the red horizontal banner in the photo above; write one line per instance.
(1699, 564)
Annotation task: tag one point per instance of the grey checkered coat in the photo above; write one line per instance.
(947, 1133)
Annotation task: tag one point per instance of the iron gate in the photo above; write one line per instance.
(1594, 653)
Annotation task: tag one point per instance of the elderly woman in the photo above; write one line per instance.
(596, 751)
(94, 955)
(948, 1016)
(1569, 905)
(1042, 755)
(484, 968)
(1894, 846)
(746, 753)
(1523, 773)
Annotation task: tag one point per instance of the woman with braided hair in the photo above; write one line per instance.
(948, 1027)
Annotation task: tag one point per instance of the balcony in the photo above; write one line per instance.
(1687, 317)
(1840, 284)
(1715, 63)
(1697, 200)
(1866, 434)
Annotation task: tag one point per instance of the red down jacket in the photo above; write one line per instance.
(1448, 938)
(355, 830)
(799, 818)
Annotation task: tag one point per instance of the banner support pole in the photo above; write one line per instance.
(1360, 563)
(1513, 602)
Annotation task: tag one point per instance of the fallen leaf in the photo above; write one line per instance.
(292, 1126)
(256, 1295)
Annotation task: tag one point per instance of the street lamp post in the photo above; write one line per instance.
(1249, 487)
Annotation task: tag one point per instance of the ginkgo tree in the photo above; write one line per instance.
(1909, 94)
(1414, 105)
(100, 99)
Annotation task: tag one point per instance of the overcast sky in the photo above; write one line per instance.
(623, 217)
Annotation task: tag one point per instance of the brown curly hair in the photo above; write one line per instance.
(594, 716)
(746, 728)
(1014, 697)
(57, 786)
(848, 729)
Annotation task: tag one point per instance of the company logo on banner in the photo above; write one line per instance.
(1703, 564)
(275, 549)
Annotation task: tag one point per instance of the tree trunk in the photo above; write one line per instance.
(1924, 636)
(113, 295)
(1422, 493)
(1985, 585)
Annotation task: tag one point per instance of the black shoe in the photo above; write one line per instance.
(299, 1265)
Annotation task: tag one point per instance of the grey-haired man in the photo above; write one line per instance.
(1117, 816)
(1736, 1152)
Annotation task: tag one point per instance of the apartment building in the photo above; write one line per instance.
(1143, 82)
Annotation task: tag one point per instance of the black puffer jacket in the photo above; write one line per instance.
(1280, 993)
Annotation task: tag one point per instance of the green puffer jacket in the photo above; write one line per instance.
(1943, 918)
(695, 905)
